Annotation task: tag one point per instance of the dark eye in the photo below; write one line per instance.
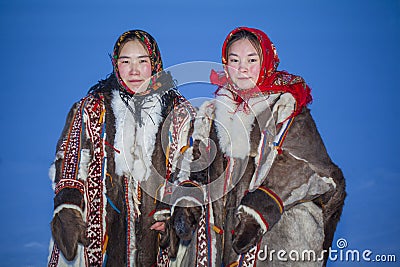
(253, 60)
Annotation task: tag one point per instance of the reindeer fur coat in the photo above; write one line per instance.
(260, 195)
(108, 171)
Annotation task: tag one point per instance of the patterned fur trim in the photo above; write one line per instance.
(257, 216)
(69, 183)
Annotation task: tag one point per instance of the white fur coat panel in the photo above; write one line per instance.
(135, 143)
(234, 123)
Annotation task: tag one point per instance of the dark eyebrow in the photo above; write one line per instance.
(252, 54)
(249, 55)
(144, 56)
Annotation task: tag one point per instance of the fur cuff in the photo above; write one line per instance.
(265, 203)
(69, 183)
(186, 201)
(67, 206)
(257, 216)
(188, 194)
(69, 191)
(162, 215)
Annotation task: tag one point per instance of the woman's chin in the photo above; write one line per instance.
(245, 86)
(139, 88)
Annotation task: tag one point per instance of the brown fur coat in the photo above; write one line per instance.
(245, 226)
(104, 195)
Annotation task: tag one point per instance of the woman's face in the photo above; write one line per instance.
(244, 64)
(134, 66)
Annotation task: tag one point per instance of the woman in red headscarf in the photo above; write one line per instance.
(269, 184)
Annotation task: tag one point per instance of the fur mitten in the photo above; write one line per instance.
(69, 229)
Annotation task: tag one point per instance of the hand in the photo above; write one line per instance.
(168, 238)
(158, 226)
(247, 234)
(69, 229)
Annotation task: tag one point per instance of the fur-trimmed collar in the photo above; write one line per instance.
(135, 143)
(235, 123)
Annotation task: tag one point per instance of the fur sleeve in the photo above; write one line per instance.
(309, 171)
(69, 170)
(179, 122)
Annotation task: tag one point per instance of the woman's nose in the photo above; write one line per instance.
(243, 67)
(135, 68)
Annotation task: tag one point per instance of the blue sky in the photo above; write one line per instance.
(348, 52)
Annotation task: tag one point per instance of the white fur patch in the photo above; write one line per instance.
(62, 262)
(213, 235)
(162, 215)
(269, 153)
(315, 186)
(83, 164)
(284, 107)
(202, 123)
(52, 169)
(123, 160)
(68, 206)
(192, 202)
(298, 158)
(234, 125)
(184, 172)
(52, 175)
(135, 143)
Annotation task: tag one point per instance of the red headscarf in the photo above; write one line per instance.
(270, 79)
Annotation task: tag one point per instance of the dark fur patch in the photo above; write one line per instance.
(185, 220)
(69, 229)
(182, 225)
(246, 234)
